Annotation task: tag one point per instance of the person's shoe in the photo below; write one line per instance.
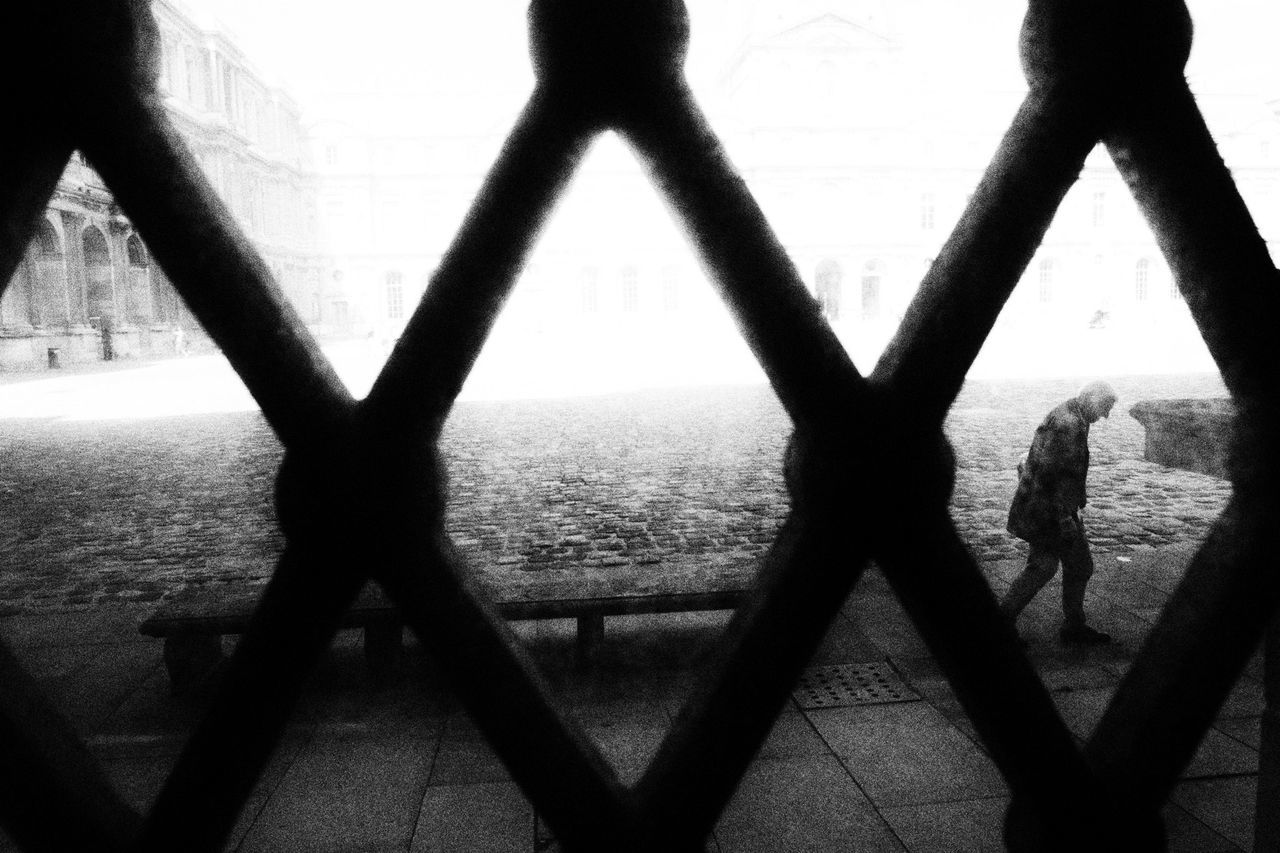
(1083, 635)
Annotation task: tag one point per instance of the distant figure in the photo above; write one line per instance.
(1099, 319)
(1046, 511)
(108, 344)
(179, 341)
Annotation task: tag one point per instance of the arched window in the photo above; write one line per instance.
(1046, 280)
(47, 243)
(827, 287)
(871, 290)
(395, 296)
(97, 272)
(630, 289)
(137, 252)
(137, 297)
(1141, 278)
(590, 289)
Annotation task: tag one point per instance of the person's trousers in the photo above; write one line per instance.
(1042, 565)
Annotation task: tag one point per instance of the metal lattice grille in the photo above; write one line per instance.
(866, 448)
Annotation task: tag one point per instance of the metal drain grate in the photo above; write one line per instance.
(851, 684)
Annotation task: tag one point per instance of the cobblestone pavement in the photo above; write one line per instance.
(100, 510)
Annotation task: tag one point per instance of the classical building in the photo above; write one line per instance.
(88, 288)
(862, 144)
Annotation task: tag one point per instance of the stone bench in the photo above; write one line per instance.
(1192, 434)
(193, 621)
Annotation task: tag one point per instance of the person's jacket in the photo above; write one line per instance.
(1051, 481)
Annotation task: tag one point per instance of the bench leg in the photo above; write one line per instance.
(383, 646)
(590, 635)
(190, 658)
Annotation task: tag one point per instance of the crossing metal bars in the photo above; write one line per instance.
(362, 485)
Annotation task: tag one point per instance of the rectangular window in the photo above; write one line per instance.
(1046, 281)
(630, 291)
(670, 289)
(395, 296)
(927, 212)
(590, 290)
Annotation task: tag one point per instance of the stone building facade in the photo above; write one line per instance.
(88, 288)
(860, 140)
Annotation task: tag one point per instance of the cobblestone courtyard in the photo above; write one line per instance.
(128, 509)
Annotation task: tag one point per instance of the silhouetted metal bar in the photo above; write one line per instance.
(53, 794)
(555, 763)
(960, 299)
(1192, 656)
(805, 362)
(216, 270)
(806, 577)
(939, 584)
(447, 331)
(30, 165)
(299, 612)
(1217, 615)
(1167, 156)
(549, 756)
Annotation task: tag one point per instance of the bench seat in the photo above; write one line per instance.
(193, 621)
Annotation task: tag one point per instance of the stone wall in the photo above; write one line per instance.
(1192, 434)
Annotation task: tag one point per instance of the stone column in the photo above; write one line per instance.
(76, 282)
(117, 233)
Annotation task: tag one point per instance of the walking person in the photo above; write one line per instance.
(1046, 511)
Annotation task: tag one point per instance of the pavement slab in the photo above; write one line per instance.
(492, 817)
(907, 753)
(344, 793)
(957, 826)
(1224, 805)
(798, 805)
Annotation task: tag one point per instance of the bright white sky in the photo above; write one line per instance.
(313, 46)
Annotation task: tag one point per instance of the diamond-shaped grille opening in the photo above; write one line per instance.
(845, 685)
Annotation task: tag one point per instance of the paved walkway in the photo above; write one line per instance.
(107, 514)
(401, 767)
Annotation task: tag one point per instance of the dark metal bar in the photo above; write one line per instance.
(1207, 235)
(30, 165)
(53, 794)
(939, 584)
(556, 764)
(300, 610)
(805, 362)
(215, 268)
(1229, 593)
(805, 579)
(958, 302)
(447, 331)
(1192, 656)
